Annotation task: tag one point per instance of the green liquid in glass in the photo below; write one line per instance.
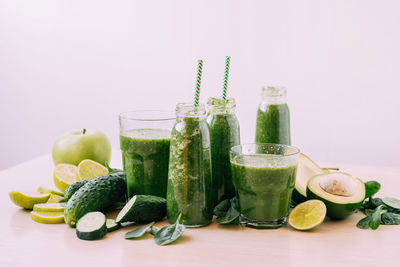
(145, 156)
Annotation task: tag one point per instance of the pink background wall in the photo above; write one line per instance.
(71, 64)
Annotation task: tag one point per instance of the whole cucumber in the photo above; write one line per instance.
(96, 195)
(71, 189)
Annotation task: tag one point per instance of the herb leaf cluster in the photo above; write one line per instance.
(378, 211)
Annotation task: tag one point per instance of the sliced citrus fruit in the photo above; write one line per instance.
(26, 200)
(307, 215)
(55, 199)
(89, 169)
(64, 175)
(47, 216)
(42, 189)
(52, 207)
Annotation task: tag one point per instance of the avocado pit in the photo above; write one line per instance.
(338, 184)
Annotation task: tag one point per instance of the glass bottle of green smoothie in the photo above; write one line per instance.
(273, 119)
(224, 134)
(189, 189)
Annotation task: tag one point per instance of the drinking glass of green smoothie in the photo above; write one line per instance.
(273, 118)
(144, 141)
(264, 176)
(190, 189)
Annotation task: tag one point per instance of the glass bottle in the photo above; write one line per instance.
(273, 119)
(189, 189)
(224, 134)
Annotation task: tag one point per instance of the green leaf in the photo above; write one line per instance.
(392, 202)
(154, 230)
(138, 232)
(390, 218)
(371, 188)
(376, 217)
(170, 233)
(364, 223)
(222, 208)
(369, 212)
(232, 214)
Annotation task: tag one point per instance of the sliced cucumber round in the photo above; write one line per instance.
(341, 193)
(112, 225)
(91, 226)
(143, 209)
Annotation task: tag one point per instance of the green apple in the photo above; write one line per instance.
(75, 146)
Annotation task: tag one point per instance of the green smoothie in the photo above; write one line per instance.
(189, 175)
(273, 124)
(264, 184)
(224, 134)
(145, 156)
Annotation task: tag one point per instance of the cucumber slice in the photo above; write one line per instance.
(112, 225)
(143, 209)
(91, 226)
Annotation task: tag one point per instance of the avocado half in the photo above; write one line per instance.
(306, 169)
(341, 193)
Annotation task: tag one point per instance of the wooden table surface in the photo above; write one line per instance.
(24, 242)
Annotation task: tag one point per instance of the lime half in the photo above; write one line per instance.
(89, 169)
(307, 215)
(64, 175)
(26, 200)
(47, 217)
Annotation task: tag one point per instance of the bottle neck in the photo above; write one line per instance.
(274, 95)
(188, 110)
(221, 106)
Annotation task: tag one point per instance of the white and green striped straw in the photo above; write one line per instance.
(226, 75)
(198, 82)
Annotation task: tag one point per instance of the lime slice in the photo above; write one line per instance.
(307, 215)
(43, 190)
(89, 169)
(64, 175)
(49, 207)
(55, 199)
(47, 217)
(26, 200)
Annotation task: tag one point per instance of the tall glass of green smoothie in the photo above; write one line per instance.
(224, 134)
(189, 175)
(273, 118)
(144, 141)
(264, 177)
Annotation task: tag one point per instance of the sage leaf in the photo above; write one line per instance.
(138, 232)
(376, 217)
(392, 202)
(371, 188)
(390, 218)
(364, 223)
(170, 233)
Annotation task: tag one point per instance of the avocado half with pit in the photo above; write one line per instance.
(306, 169)
(341, 193)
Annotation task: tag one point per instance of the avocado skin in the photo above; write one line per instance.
(335, 211)
(95, 195)
(146, 208)
(297, 197)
